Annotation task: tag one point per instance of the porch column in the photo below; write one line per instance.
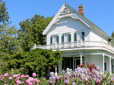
(81, 54)
(110, 65)
(55, 71)
(103, 62)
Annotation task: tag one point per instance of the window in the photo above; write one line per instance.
(69, 37)
(57, 39)
(83, 36)
(104, 66)
(66, 38)
(51, 40)
(62, 38)
(75, 36)
(79, 36)
(54, 39)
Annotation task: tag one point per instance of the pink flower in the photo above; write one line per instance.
(27, 81)
(34, 74)
(22, 82)
(15, 76)
(2, 75)
(35, 80)
(44, 79)
(6, 74)
(27, 75)
(18, 77)
(22, 76)
(30, 83)
(18, 82)
(30, 78)
(10, 78)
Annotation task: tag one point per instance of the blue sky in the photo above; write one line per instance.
(100, 12)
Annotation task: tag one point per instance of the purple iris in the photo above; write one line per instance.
(66, 82)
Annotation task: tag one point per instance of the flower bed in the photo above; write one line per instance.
(82, 75)
(18, 79)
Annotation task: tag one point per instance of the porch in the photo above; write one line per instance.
(99, 53)
(101, 59)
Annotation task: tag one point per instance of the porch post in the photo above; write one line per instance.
(55, 71)
(110, 65)
(103, 62)
(81, 54)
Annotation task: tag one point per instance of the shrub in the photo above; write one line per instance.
(90, 66)
(37, 60)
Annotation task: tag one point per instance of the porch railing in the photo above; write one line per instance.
(76, 44)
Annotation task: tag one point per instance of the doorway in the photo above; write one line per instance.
(67, 62)
(76, 62)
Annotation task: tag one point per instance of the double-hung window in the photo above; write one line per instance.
(66, 38)
(54, 39)
(79, 36)
(83, 36)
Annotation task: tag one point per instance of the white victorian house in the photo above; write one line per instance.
(78, 39)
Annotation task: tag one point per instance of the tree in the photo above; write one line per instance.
(4, 16)
(112, 41)
(31, 31)
(8, 39)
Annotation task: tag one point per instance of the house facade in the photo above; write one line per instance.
(78, 39)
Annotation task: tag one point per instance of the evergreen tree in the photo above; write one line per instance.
(31, 31)
(4, 16)
(112, 41)
(8, 39)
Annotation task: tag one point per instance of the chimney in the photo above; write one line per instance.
(81, 9)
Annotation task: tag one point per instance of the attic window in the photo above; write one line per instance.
(65, 10)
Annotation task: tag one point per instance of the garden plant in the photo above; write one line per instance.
(83, 75)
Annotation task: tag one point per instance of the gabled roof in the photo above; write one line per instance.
(68, 11)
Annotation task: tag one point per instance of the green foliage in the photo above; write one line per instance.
(112, 41)
(37, 60)
(4, 16)
(8, 40)
(31, 31)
